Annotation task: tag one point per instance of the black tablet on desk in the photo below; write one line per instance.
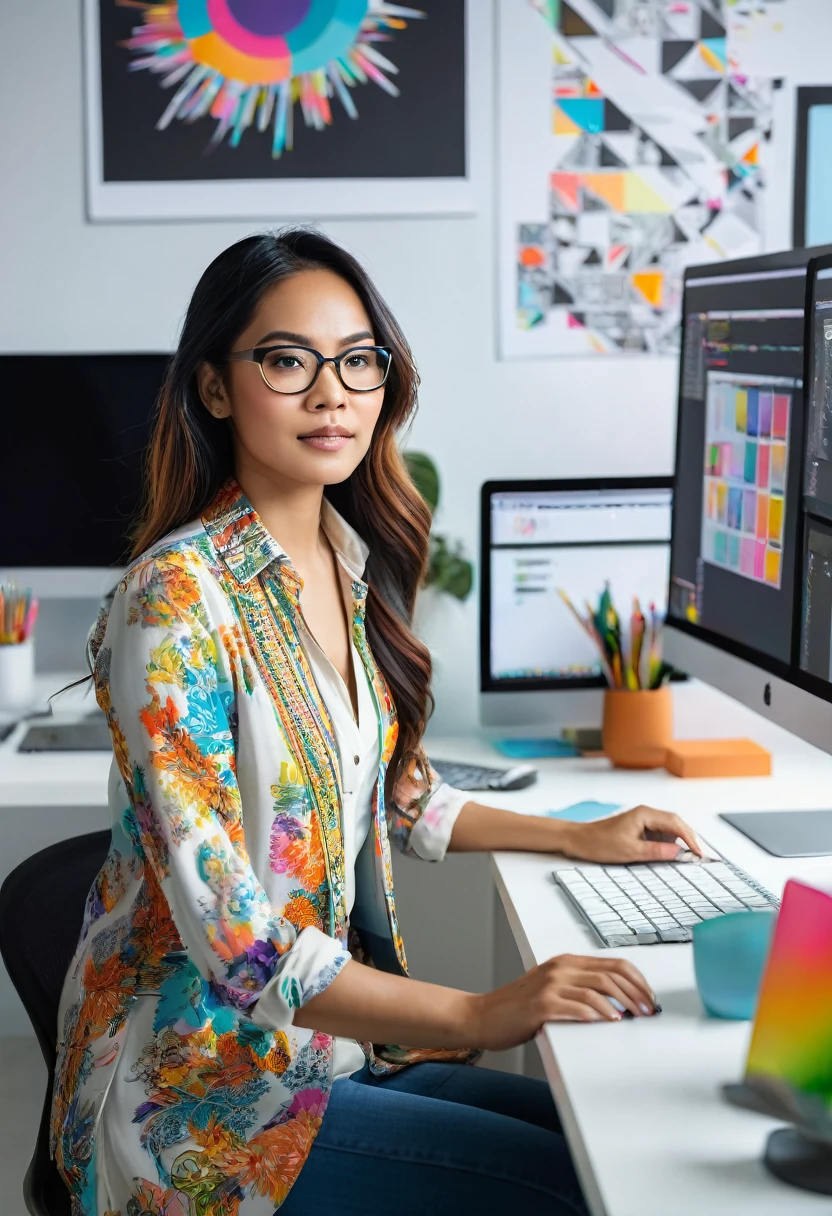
(786, 833)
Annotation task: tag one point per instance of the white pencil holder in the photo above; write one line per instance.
(17, 676)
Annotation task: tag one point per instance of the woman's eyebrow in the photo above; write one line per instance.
(302, 340)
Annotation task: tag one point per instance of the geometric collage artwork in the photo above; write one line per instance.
(657, 135)
(746, 462)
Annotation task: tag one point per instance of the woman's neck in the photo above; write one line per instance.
(291, 513)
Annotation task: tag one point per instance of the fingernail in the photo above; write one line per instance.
(645, 1010)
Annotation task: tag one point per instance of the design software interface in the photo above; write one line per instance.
(574, 540)
(739, 457)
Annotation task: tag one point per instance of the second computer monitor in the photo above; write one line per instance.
(750, 606)
(537, 667)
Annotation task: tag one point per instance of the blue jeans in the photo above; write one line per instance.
(438, 1139)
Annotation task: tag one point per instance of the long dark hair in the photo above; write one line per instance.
(190, 453)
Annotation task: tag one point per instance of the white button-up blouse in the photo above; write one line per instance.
(359, 752)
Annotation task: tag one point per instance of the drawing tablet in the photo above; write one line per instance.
(786, 833)
(90, 735)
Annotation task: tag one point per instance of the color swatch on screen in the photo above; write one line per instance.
(745, 466)
(791, 1045)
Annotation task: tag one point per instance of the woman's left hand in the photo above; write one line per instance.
(642, 834)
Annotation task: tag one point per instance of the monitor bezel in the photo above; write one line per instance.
(813, 684)
(536, 486)
(812, 259)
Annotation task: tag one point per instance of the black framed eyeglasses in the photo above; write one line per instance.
(294, 369)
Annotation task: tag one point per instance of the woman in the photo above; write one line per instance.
(267, 701)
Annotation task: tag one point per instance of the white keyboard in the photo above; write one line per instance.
(661, 902)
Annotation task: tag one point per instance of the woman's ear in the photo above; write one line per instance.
(212, 390)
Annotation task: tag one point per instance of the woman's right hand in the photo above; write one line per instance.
(568, 988)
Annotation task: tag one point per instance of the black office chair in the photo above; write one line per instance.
(41, 912)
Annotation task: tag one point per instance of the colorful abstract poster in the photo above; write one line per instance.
(632, 144)
(746, 458)
(278, 108)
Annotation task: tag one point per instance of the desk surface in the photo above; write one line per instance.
(639, 1100)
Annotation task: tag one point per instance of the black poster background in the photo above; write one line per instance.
(421, 133)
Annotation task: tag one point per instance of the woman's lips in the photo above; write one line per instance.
(326, 443)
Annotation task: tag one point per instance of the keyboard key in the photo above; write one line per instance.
(674, 935)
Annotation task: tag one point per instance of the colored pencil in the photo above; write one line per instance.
(18, 613)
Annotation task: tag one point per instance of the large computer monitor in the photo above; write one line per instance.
(536, 666)
(75, 427)
(749, 609)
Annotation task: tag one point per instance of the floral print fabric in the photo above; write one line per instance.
(183, 1087)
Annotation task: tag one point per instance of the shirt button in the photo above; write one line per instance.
(356, 759)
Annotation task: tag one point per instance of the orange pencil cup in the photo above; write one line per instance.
(637, 727)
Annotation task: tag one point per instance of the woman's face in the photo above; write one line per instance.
(317, 436)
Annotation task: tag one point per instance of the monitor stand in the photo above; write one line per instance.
(794, 1157)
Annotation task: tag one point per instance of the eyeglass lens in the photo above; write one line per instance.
(292, 370)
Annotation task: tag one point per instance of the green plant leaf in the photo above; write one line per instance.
(425, 477)
(448, 570)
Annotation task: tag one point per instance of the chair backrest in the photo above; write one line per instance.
(41, 912)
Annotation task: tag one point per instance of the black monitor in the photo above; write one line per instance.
(750, 599)
(537, 537)
(75, 427)
(739, 457)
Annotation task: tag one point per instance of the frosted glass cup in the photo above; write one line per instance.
(729, 957)
(17, 676)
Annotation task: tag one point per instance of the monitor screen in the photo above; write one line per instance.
(541, 537)
(739, 456)
(77, 426)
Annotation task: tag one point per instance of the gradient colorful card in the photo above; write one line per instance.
(749, 511)
(763, 465)
(750, 472)
(778, 467)
(791, 1044)
(747, 556)
(741, 410)
(766, 411)
(752, 425)
(780, 421)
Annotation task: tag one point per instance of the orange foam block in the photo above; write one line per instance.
(717, 758)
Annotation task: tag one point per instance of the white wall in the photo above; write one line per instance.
(66, 284)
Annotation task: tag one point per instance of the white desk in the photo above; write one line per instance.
(639, 1100)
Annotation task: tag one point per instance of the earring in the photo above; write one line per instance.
(218, 412)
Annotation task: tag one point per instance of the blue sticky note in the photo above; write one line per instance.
(584, 812)
(532, 749)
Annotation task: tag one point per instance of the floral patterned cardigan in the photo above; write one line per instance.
(220, 908)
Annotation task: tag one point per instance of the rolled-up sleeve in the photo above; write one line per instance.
(423, 810)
